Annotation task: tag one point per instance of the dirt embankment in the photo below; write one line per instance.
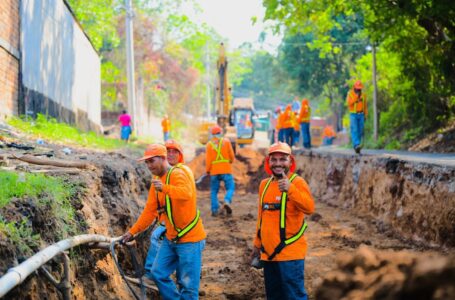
(110, 198)
(414, 201)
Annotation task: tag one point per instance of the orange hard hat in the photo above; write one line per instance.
(288, 107)
(358, 85)
(172, 144)
(154, 150)
(279, 148)
(305, 101)
(216, 130)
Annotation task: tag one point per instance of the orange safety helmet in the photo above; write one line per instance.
(304, 101)
(279, 148)
(154, 150)
(172, 144)
(358, 85)
(216, 130)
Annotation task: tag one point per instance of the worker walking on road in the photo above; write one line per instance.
(125, 122)
(175, 158)
(304, 120)
(172, 198)
(284, 199)
(357, 105)
(218, 164)
(166, 125)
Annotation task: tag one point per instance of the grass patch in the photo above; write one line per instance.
(52, 130)
(52, 198)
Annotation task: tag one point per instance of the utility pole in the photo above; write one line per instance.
(207, 70)
(375, 97)
(130, 62)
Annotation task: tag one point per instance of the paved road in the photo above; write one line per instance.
(419, 157)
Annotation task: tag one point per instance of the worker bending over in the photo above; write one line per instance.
(284, 199)
(219, 157)
(172, 198)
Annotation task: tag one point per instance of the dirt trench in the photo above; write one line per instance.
(349, 217)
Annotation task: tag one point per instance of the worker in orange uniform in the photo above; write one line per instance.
(166, 125)
(172, 198)
(328, 135)
(304, 120)
(279, 243)
(175, 158)
(287, 124)
(357, 105)
(219, 157)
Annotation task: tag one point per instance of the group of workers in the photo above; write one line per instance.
(289, 125)
(179, 239)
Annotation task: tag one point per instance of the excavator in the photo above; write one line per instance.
(235, 117)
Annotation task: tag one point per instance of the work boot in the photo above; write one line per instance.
(228, 209)
(214, 213)
(357, 149)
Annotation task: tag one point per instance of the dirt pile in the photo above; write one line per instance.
(247, 169)
(415, 201)
(441, 141)
(369, 274)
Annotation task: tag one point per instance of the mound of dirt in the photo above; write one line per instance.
(441, 141)
(372, 274)
(248, 170)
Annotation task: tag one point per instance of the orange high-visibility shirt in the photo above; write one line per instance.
(356, 104)
(328, 132)
(279, 121)
(166, 125)
(182, 191)
(299, 202)
(222, 164)
(305, 114)
(288, 118)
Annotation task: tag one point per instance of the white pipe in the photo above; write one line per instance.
(17, 275)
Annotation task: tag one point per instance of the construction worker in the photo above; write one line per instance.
(166, 125)
(219, 157)
(284, 199)
(174, 157)
(296, 134)
(172, 198)
(273, 131)
(357, 105)
(287, 123)
(125, 122)
(328, 135)
(279, 124)
(304, 120)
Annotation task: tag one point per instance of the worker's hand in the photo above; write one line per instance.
(283, 183)
(158, 185)
(256, 252)
(126, 238)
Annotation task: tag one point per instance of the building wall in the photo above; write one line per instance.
(9, 57)
(60, 68)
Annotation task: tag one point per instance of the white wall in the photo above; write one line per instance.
(58, 60)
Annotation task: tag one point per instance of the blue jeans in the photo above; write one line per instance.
(281, 135)
(288, 133)
(166, 135)
(357, 123)
(186, 259)
(285, 280)
(156, 239)
(215, 181)
(327, 140)
(295, 137)
(306, 137)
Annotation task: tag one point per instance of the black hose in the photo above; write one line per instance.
(114, 256)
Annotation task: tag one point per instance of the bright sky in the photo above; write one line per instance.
(232, 19)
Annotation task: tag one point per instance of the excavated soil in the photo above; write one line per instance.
(373, 229)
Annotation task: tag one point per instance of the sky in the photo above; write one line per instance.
(232, 19)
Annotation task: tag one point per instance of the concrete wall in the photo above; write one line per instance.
(9, 57)
(60, 67)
